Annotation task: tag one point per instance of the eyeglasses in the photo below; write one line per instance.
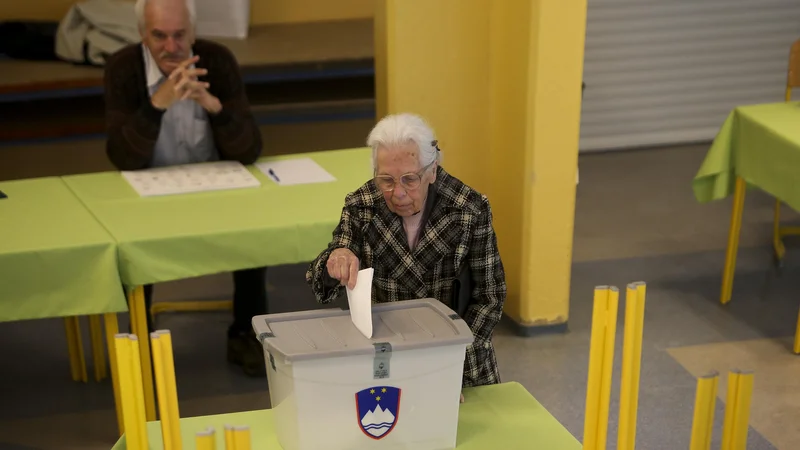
(409, 181)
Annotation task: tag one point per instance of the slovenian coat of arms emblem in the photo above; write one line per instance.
(378, 409)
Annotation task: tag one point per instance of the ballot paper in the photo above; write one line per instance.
(288, 172)
(360, 300)
(188, 178)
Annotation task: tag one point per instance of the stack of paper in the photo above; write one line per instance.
(290, 172)
(187, 178)
(360, 300)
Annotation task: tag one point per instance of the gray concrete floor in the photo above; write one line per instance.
(636, 219)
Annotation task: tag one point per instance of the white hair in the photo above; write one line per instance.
(400, 129)
(140, 5)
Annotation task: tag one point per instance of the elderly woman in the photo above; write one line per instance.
(421, 230)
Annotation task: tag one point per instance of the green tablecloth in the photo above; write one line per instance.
(502, 416)
(181, 236)
(55, 259)
(761, 144)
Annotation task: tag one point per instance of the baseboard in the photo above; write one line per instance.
(533, 330)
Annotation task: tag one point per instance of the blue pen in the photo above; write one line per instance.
(272, 172)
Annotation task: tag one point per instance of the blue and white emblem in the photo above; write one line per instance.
(378, 409)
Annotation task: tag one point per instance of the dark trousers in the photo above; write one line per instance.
(249, 299)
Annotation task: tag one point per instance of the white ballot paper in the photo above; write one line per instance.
(360, 301)
(289, 172)
(191, 178)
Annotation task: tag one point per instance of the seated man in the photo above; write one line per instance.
(421, 229)
(176, 100)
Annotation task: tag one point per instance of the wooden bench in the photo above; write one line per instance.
(270, 53)
(53, 100)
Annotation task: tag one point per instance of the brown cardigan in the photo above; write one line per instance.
(133, 124)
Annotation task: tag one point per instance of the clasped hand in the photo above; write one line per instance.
(182, 84)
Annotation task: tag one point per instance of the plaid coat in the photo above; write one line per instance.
(457, 233)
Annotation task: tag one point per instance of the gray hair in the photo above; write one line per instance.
(405, 128)
(141, 4)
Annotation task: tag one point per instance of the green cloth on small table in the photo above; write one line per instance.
(182, 236)
(503, 416)
(761, 144)
(55, 259)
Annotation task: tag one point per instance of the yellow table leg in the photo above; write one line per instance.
(797, 336)
(704, 404)
(601, 358)
(241, 438)
(98, 351)
(138, 314)
(733, 241)
(230, 443)
(777, 237)
(737, 410)
(77, 360)
(631, 366)
(112, 328)
(131, 392)
(206, 440)
(169, 413)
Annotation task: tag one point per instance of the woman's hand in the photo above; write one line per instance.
(343, 266)
(462, 398)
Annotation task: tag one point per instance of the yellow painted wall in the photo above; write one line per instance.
(431, 59)
(555, 68)
(261, 11)
(34, 9)
(290, 11)
(500, 83)
(509, 38)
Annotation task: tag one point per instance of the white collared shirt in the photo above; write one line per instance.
(185, 135)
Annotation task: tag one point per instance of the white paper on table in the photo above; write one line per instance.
(360, 300)
(289, 172)
(190, 178)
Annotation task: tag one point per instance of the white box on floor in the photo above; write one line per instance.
(332, 388)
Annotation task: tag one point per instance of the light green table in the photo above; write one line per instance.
(761, 145)
(502, 416)
(182, 236)
(57, 261)
(758, 147)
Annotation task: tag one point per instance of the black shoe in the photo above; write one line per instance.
(245, 350)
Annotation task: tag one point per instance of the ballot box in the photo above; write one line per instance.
(333, 388)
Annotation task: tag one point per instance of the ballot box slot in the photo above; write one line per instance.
(303, 336)
(421, 326)
(383, 321)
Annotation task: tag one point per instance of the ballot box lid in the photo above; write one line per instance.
(396, 326)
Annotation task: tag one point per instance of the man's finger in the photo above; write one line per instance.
(182, 67)
(187, 62)
(198, 71)
(194, 73)
(196, 86)
(180, 85)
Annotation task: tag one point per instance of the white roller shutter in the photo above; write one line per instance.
(670, 71)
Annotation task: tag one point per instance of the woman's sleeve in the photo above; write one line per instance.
(488, 297)
(346, 235)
